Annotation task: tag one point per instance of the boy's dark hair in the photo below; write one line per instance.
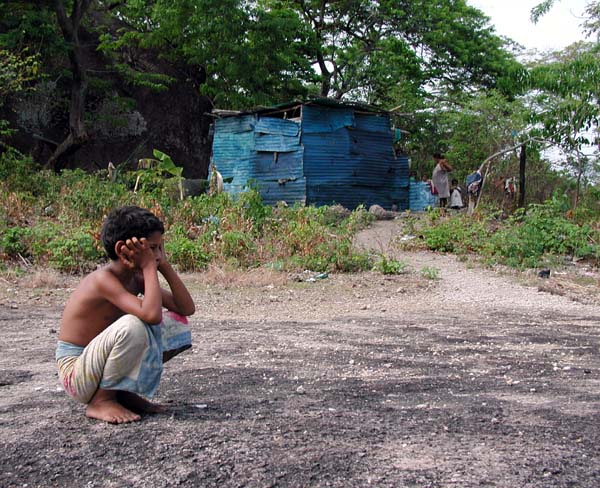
(438, 155)
(126, 222)
(455, 182)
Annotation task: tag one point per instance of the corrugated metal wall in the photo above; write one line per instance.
(336, 155)
(420, 197)
(349, 159)
(262, 149)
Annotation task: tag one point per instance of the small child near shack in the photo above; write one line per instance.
(114, 336)
(456, 201)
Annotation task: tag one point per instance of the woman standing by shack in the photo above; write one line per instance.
(440, 178)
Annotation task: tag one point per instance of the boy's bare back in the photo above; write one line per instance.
(88, 312)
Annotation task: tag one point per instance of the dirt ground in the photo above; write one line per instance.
(473, 379)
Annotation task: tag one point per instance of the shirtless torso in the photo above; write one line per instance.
(89, 311)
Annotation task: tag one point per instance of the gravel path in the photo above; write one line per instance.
(465, 287)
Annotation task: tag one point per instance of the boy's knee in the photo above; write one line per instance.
(133, 332)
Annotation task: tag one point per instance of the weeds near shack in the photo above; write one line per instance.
(430, 272)
(544, 235)
(54, 221)
(391, 266)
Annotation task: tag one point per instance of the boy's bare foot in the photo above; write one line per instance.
(139, 404)
(104, 406)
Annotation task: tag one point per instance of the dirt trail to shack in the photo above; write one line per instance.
(350, 381)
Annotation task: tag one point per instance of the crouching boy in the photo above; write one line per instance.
(114, 336)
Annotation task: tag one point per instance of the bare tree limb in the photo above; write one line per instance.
(489, 159)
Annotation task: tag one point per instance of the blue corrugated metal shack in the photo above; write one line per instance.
(318, 152)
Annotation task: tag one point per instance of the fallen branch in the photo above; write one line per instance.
(24, 260)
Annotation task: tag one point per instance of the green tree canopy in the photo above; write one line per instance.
(265, 52)
(244, 54)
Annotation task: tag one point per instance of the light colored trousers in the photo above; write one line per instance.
(127, 356)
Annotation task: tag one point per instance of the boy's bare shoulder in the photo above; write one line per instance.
(97, 274)
(97, 279)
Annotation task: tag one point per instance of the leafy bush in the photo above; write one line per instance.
(238, 245)
(54, 220)
(63, 248)
(430, 272)
(300, 238)
(83, 198)
(77, 252)
(458, 234)
(528, 238)
(59, 224)
(12, 241)
(390, 266)
(336, 255)
(252, 207)
(187, 254)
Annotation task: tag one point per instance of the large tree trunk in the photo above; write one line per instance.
(70, 29)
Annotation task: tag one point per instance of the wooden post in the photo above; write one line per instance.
(522, 161)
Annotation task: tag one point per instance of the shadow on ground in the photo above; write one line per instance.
(416, 402)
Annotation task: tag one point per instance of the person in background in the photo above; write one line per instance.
(456, 201)
(474, 182)
(439, 178)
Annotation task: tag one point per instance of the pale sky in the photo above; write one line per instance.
(555, 30)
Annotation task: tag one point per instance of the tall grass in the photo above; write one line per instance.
(542, 234)
(54, 221)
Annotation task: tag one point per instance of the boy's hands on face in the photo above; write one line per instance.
(160, 255)
(137, 253)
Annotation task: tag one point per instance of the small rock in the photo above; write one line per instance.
(380, 213)
(300, 390)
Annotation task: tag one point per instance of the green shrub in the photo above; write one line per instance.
(77, 252)
(390, 266)
(20, 174)
(186, 254)
(13, 241)
(238, 245)
(30, 243)
(55, 220)
(85, 198)
(253, 209)
(430, 272)
(458, 234)
(527, 239)
(334, 255)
